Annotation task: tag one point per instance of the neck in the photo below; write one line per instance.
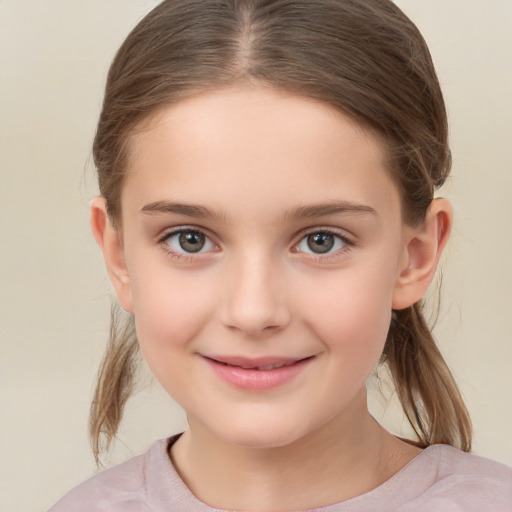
(347, 457)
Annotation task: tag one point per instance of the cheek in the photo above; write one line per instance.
(351, 314)
(169, 312)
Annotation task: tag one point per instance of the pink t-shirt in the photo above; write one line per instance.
(440, 479)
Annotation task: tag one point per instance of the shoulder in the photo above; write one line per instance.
(122, 488)
(453, 462)
(459, 481)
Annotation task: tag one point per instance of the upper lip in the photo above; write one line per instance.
(266, 363)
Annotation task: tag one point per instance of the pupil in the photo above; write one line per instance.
(191, 241)
(320, 242)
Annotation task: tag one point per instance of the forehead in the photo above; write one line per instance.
(256, 147)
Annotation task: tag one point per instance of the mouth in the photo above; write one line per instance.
(257, 374)
(261, 364)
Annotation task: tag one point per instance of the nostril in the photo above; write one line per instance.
(254, 304)
(254, 331)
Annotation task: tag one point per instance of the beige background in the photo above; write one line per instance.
(54, 293)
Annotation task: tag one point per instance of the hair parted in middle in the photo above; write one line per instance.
(364, 58)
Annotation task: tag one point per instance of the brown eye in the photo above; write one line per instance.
(191, 241)
(320, 242)
(188, 241)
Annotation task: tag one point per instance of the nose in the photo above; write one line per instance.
(255, 303)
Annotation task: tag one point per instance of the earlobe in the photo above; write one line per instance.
(110, 242)
(422, 251)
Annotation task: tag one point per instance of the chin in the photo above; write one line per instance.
(262, 435)
(259, 441)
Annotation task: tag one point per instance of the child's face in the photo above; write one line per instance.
(250, 177)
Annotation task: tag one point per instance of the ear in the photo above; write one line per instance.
(424, 245)
(111, 244)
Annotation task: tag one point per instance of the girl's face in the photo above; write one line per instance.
(259, 230)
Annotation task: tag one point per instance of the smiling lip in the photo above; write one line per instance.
(256, 374)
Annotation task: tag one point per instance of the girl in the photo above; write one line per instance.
(267, 217)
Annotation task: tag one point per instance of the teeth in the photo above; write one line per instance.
(274, 366)
(270, 367)
(263, 368)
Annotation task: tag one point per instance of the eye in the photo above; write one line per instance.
(188, 241)
(322, 242)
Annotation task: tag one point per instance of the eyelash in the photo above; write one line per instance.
(182, 257)
(348, 244)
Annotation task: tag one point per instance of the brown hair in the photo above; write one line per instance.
(362, 57)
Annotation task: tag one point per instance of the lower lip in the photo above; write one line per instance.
(257, 380)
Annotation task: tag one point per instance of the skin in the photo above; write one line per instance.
(256, 157)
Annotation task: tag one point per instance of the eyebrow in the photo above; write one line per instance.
(188, 210)
(328, 208)
(299, 212)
